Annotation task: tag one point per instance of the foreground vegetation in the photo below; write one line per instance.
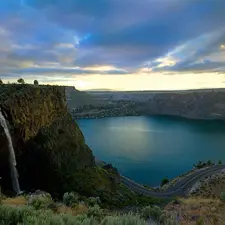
(27, 215)
(41, 209)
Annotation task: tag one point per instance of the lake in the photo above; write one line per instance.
(147, 149)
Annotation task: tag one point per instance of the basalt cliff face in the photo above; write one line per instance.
(193, 104)
(49, 146)
(205, 104)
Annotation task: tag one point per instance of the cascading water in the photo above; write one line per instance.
(12, 157)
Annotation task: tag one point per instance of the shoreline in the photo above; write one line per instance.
(204, 104)
(173, 117)
(170, 185)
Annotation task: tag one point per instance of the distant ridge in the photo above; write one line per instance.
(156, 91)
(162, 91)
(104, 89)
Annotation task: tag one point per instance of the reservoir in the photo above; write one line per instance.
(147, 149)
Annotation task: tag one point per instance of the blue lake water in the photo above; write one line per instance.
(146, 149)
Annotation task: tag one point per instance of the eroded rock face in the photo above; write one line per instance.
(193, 104)
(205, 104)
(49, 146)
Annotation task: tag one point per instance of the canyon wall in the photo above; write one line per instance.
(50, 148)
(194, 104)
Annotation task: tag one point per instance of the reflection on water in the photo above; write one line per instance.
(148, 148)
(134, 129)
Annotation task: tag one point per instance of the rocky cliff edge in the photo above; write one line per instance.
(50, 148)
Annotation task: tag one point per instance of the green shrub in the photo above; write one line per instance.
(78, 220)
(209, 163)
(222, 196)
(129, 219)
(27, 215)
(200, 221)
(1, 82)
(154, 212)
(70, 198)
(53, 206)
(91, 201)
(220, 162)
(13, 215)
(42, 217)
(202, 164)
(164, 181)
(40, 201)
(96, 212)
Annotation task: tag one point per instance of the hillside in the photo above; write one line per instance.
(52, 156)
(193, 104)
(76, 98)
(49, 146)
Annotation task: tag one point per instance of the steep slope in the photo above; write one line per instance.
(50, 148)
(194, 104)
(76, 98)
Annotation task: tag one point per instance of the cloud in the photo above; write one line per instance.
(204, 53)
(55, 70)
(162, 35)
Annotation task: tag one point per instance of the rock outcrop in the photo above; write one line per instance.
(50, 148)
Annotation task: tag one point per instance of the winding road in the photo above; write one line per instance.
(180, 188)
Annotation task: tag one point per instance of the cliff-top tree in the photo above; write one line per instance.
(1, 82)
(21, 81)
(36, 82)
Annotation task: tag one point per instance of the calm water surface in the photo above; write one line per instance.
(146, 149)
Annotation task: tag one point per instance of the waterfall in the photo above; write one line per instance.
(12, 157)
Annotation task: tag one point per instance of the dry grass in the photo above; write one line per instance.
(79, 209)
(20, 200)
(210, 187)
(192, 210)
(192, 201)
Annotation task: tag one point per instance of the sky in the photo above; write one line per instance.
(114, 44)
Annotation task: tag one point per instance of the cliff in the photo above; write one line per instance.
(50, 148)
(206, 104)
(193, 104)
